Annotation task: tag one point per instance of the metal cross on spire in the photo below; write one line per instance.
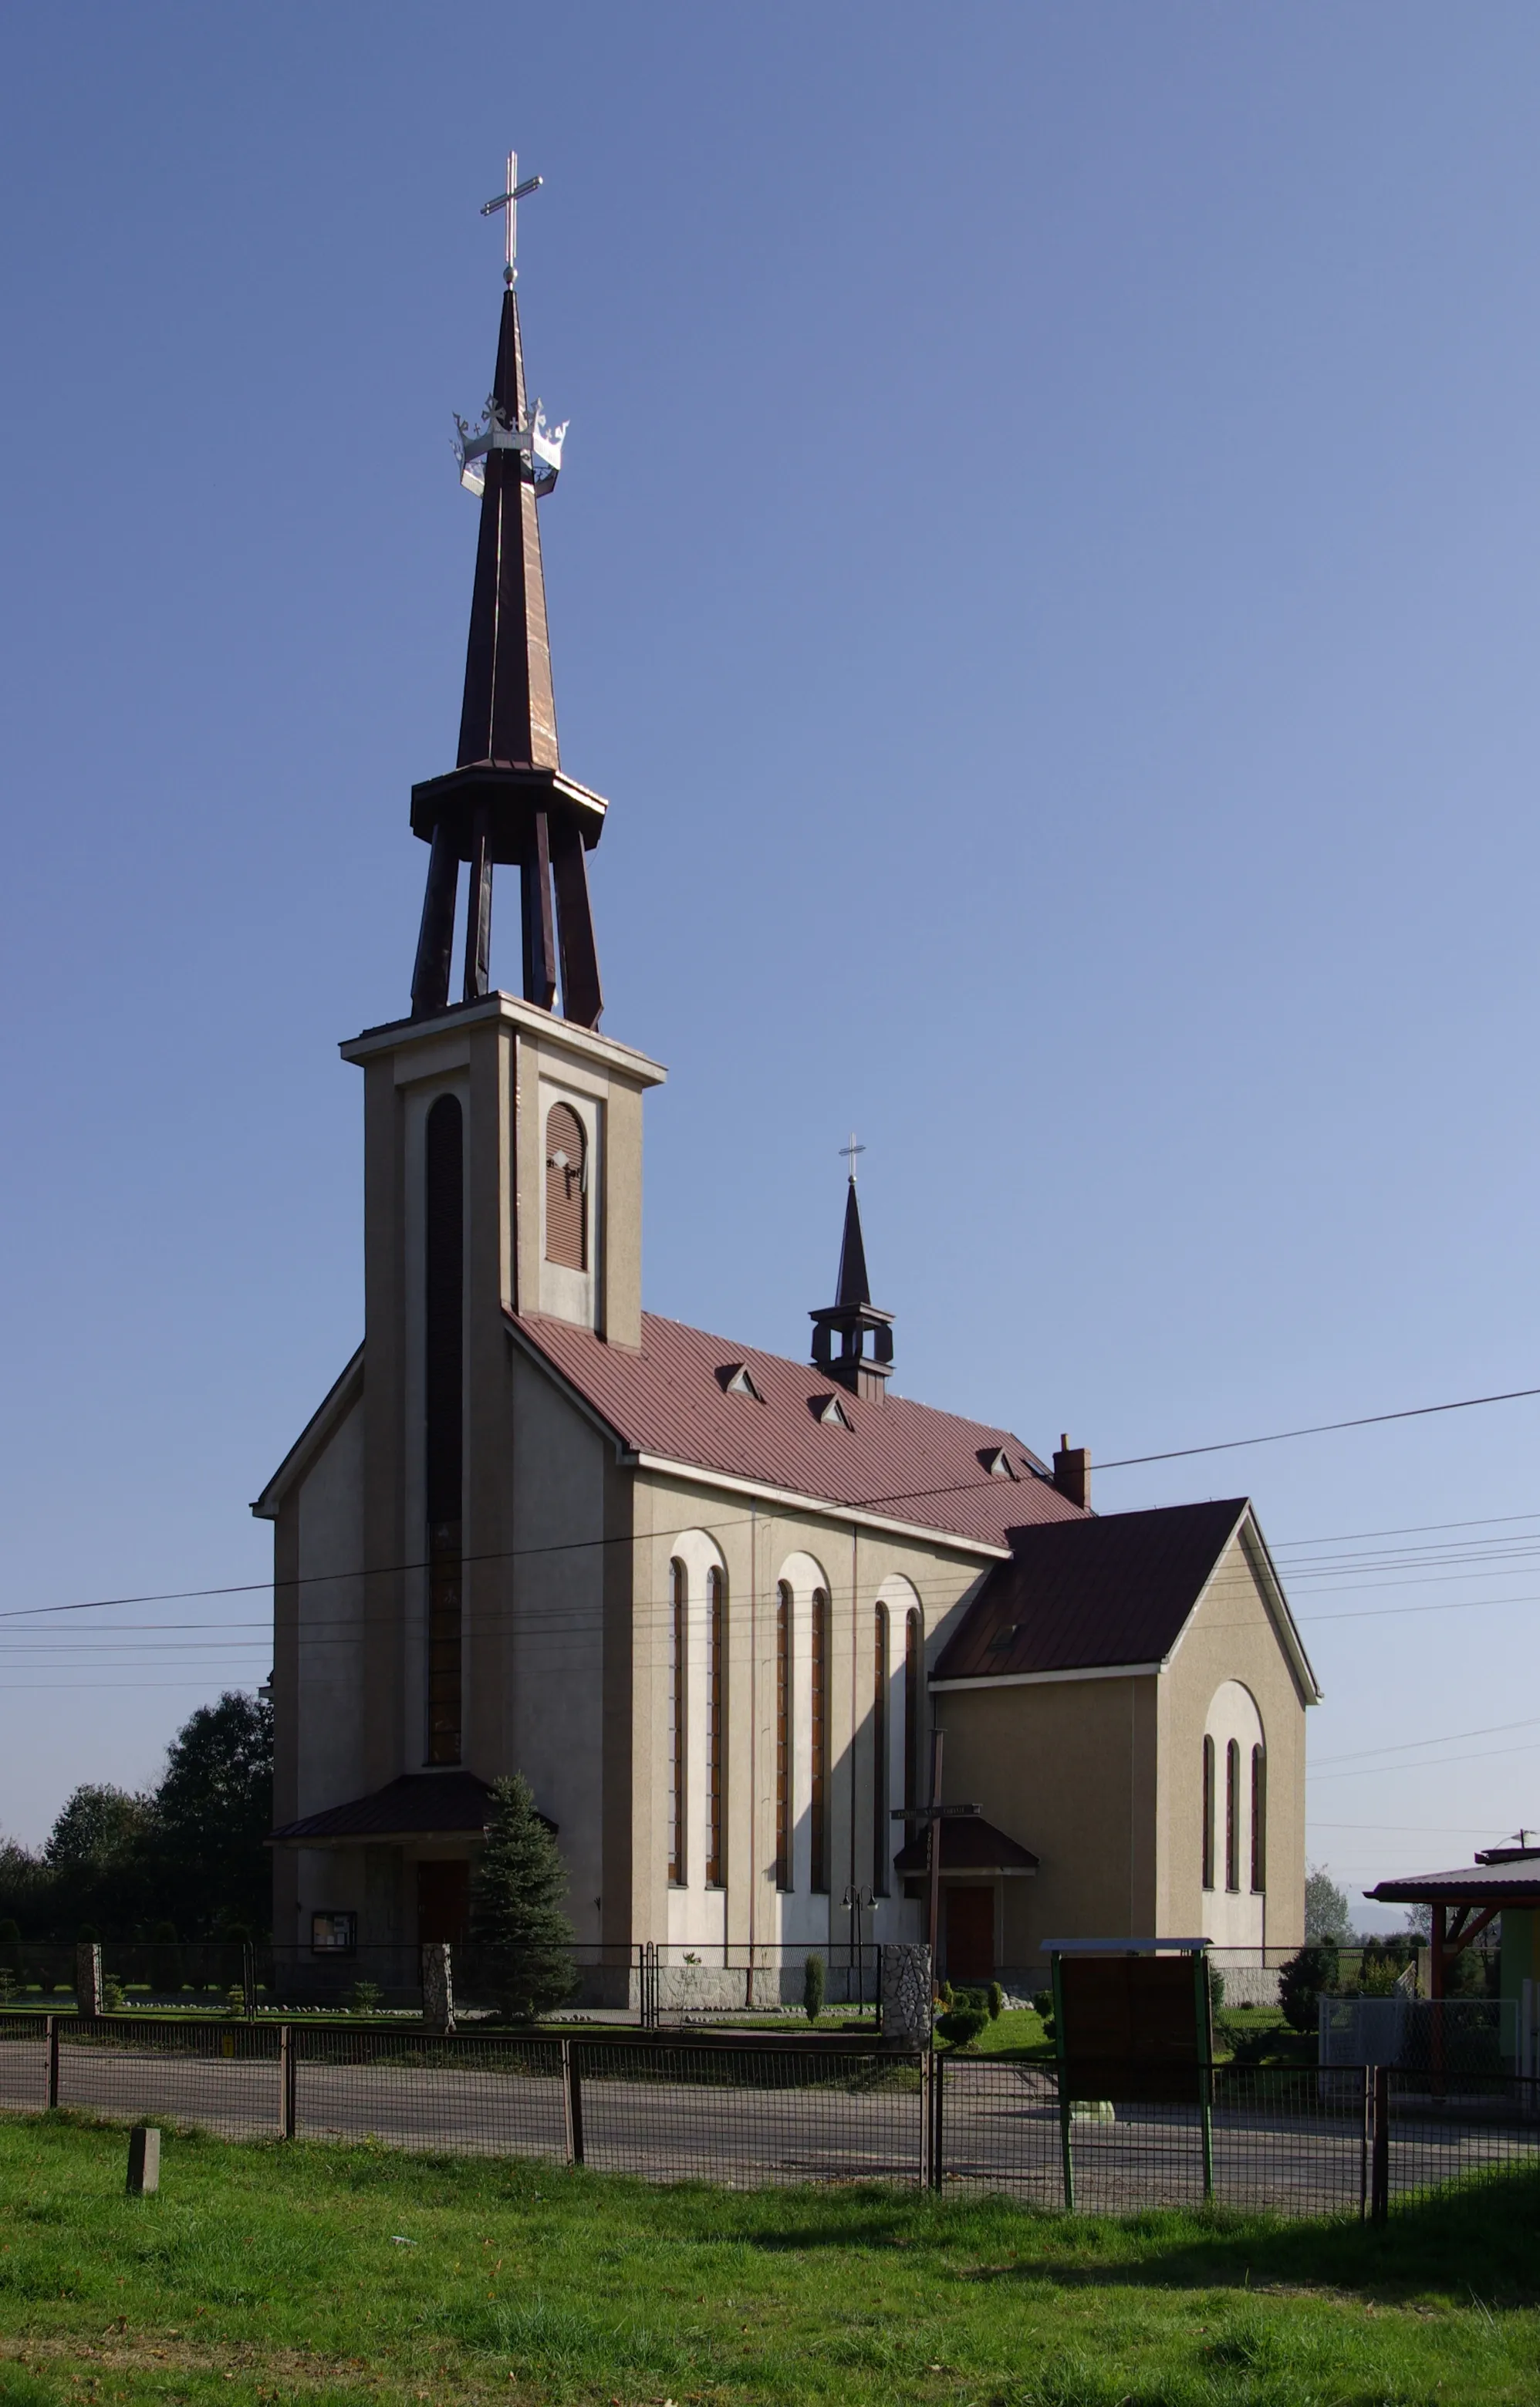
(513, 192)
(851, 1150)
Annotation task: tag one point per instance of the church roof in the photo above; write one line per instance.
(1111, 1590)
(679, 1397)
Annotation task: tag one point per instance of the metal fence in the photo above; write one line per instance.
(1344, 2140)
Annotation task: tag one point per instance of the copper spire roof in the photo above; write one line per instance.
(508, 716)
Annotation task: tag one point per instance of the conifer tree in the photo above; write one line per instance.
(518, 1927)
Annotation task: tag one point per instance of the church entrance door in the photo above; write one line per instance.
(443, 1902)
(970, 1933)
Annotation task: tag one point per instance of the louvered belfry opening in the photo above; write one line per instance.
(566, 1188)
(443, 1389)
(508, 803)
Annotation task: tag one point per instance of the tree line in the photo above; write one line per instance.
(187, 1859)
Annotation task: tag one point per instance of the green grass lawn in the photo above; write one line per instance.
(300, 2273)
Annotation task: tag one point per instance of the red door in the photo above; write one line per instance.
(443, 1902)
(970, 1933)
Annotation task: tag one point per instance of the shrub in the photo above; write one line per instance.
(961, 2025)
(367, 1998)
(1215, 1987)
(997, 2000)
(1042, 2004)
(1304, 1980)
(812, 1986)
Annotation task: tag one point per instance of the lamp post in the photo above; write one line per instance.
(856, 1902)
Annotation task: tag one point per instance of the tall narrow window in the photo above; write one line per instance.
(566, 1188)
(783, 1736)
(1208, 1813)
(913, 1736)
(443, 1399)
(881, 1842)
(1232, 1816)
(818, 1738)
(1259, 1819)
(679, 1599)
(716, 1734)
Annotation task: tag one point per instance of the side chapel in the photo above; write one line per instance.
(710, 1601)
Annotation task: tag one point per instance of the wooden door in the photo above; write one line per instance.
(970, 1933)
(443, 1902)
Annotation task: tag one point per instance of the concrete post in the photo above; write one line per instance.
(88, 1979)
(144, 2160)
(905, 1981)
(437, 1987)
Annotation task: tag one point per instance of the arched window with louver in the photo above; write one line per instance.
(566, 1188)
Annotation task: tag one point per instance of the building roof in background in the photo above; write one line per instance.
(1516, 1882)
(686, 1397)
(1104, 1591)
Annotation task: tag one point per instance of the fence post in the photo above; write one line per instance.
(927, 2115)
(1367, 2139)
(1380, 2207)
(52, 2021)
(572, 2101)
(248, 1980)
(286, 2085)
(938, 2149)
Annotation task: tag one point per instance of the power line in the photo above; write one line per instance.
(1321, 1429)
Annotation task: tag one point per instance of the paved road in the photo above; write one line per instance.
(1001, 2127)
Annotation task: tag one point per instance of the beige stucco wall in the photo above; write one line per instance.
(1231, 1635)
(1067, 1766)
(759, 1543)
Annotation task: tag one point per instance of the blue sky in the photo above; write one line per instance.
(1047, 573)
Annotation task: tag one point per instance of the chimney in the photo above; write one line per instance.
(1072, 1473)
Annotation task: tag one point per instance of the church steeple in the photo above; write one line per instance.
(853, 1317)
(507, 800)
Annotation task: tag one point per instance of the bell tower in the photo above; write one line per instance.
(502, 1142)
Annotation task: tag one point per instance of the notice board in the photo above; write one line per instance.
(1133, 2027)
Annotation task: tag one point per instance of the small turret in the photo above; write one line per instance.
(852, 1317)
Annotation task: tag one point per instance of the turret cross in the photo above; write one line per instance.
(851, 1150)
(508, 199)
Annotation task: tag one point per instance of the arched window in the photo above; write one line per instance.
(716, 1734)
(783, 1736)
(817, 1699)
(1208, 1813)
(443, 1400)
(566, 1188)
(678, 1601)
(1232, 1816)
(913, 1736)
(1259, 1819)
(881, 1843)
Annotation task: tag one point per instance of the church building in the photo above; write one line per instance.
(711, 1602)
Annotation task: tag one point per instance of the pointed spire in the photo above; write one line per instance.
(507, 800)
(852, 1315)
(509, 715)
(854, 1286)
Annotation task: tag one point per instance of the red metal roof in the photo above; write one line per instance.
(893, 1458)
